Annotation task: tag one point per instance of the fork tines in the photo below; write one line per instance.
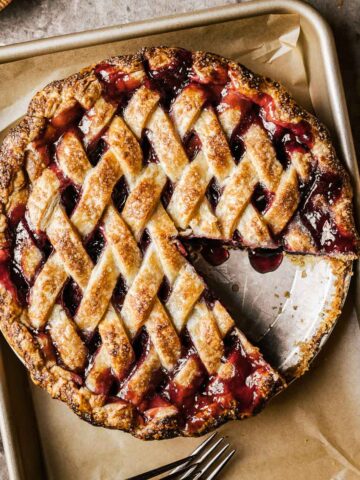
(194, 466)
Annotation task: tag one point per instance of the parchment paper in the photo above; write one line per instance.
(312, 430)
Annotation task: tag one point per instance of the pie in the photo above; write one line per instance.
(107, 174)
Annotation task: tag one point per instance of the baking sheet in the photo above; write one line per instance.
(312, 430)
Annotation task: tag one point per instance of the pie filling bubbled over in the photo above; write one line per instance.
(208, 395)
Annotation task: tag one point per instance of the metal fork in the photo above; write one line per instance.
(194, 467)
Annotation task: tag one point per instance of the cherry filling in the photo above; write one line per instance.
(192, 145)
(141, 346)
(70, 297)
(214, 252)
(145, 240)
(281, 153)
(164, 290)
(17, 279)
(167, 193)
(179, 395)
(274, 130)
(152, 405)
(183, 396)
(6, 278)
(261, 198)
(153, 399)
(47, 346)
(213, 193)
(116, 84)
(235, 386)
(325, 189)
(97, 152)
(328, 185)
(93, 344)
(237, 145)
(11, 271)
(301, 130)
(291, 145)
(214, 93)
(43, 244)
(69, 198)
(63, 179)
(64, 121)
(170, 80)
(95, 245)
(120, 194)
(325, 233)
(16, 215)
(209, 297)
(265, 261)
(119, 293)
(106, 383)
(286, 138)
(68, 117)
(149, 154)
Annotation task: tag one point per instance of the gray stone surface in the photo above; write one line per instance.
(30, 19)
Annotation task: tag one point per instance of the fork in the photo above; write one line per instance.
(194, 467)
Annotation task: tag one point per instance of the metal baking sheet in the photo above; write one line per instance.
(18, 426)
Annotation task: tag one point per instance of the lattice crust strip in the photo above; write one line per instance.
(101, 180)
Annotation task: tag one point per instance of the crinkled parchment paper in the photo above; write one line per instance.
(312, 430)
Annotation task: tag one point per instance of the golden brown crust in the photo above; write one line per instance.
(50, 109)
(4, 3)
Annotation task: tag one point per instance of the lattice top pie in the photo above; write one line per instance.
(100, 181)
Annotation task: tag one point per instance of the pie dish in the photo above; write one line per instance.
(111, 173)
